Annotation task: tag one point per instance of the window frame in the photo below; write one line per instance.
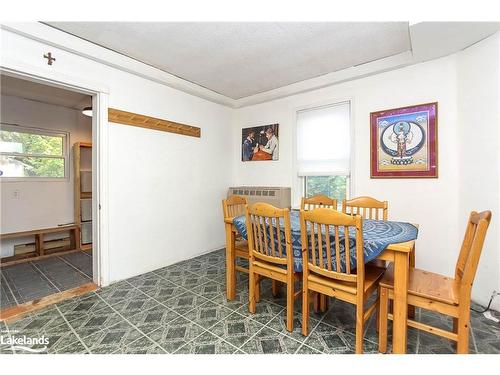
(38, 131)
(299, 182)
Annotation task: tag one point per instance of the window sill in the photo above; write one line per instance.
(33, 179)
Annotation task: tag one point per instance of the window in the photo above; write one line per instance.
(323, 150)
(331, 186)
(32, 153)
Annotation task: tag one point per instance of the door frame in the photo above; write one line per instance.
(99, 93)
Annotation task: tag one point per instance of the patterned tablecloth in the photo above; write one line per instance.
(377, 235)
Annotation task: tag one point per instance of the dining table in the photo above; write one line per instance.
(392, 241)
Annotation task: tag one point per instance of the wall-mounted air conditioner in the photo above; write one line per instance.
(277, 196)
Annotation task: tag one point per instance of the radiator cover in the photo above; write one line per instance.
(277, 196)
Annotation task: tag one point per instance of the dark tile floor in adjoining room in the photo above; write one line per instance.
(183, 309)
(25, 282)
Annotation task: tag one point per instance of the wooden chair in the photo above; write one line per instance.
(232, 207)
(269, 256)
(370, 208)
(307, 204)
(351, 284)
(367, 207)
(445, 295)
(317, 201)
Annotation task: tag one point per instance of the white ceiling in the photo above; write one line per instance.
(43, 93)
(254, 62)
(242, 59)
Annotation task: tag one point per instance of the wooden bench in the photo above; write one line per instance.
(40, 250)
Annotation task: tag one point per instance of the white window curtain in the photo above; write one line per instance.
(324, 140)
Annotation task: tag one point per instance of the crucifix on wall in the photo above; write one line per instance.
(49, 58)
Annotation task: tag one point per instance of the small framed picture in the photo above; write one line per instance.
(260, 143)
(404, 142)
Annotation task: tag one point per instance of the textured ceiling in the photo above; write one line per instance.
(43, 93)
(242, 59)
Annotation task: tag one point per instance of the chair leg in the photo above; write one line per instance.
(257, 288)
(463, 330)
(382, 320)
(360, 325)
(316, 302)
(289, 303)
(323, 302)
(305, 309)
(276, 288)
(411, 308)
(251, 291)
(455, 330)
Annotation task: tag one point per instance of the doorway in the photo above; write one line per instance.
(50, 228)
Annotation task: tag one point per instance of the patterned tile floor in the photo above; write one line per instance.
(182, 309)
(25, 282)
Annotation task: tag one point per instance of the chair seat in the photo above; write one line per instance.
(372, 275)
(426, 284)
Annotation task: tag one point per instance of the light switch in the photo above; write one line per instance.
(16, 194)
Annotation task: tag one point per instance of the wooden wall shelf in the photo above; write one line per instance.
(128, 118)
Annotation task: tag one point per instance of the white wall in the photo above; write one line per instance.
(435, 204)
(164, 189)
(41, 204)
(479, 159)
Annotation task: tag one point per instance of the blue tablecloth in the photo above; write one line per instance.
(377, 235)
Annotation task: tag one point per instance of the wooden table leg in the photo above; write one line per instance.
(401, 264)
(230, 264)
(411, 309)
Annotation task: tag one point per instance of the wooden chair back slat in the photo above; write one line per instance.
(278, 232)
(312, 243)
(271, 231)
(258, 241)
(264, 235)
(320, 247)
(263, 222)
(347, 247)
(337, 248)
(367, 207)
(234, 206)
(253, 239)
(470, 252)
(318, 201)
(328, 248)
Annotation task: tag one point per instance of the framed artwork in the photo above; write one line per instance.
(260, 143)
(404, 142)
